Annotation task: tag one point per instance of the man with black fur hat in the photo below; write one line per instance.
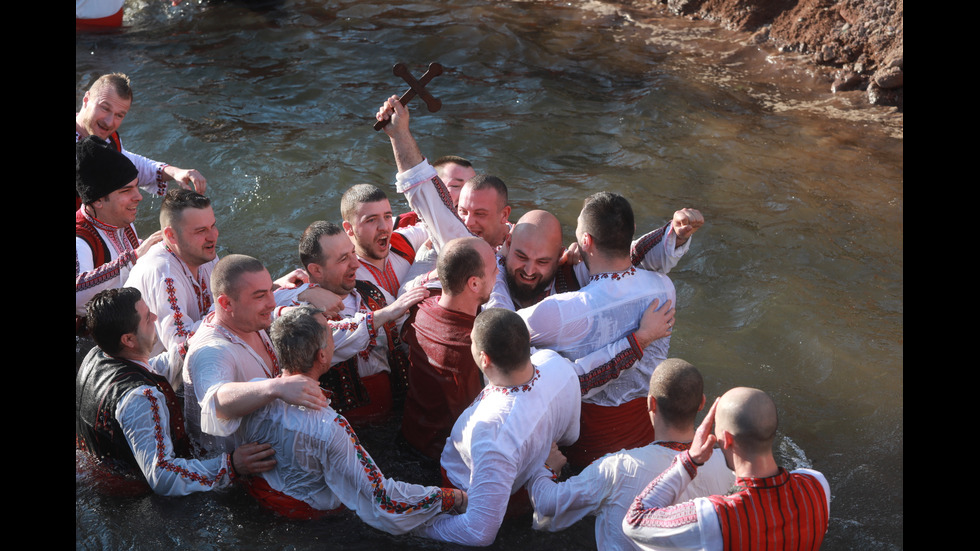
(106, 244)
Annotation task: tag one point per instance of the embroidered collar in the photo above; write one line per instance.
(676, 446)
(780, 478)
(526, 387)
(230, 336)
(99, 223)
(613, 275)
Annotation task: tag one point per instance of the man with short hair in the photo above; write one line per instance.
(322, 466)
(231, 368)
(368, 222)
(768, 508)
(443, 377)
(368, 362)
(533, 266)
(608, 486)
(106, 244)
(175, 275)
(605, 310)
(127, 414)
(454, 171)
(104, 106)
(532, 278)
(504, 436)
(484, 210)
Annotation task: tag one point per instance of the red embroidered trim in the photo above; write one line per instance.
(162, 462)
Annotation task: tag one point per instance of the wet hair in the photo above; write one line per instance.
(485, 181)
(297, 335)
(356, 195)
(228, 272)
(119, 82)
(458, 262)
(310, 251)
(678, 388)
(503, 336)
(455, 159)
(110, 315)
(176, 202)
(608, 218)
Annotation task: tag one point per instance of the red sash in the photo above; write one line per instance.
(281, 503)
(607, 429)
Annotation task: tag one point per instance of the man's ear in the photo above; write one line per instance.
(128, 340)
(700, 407)
(726, 439)
(348, 228)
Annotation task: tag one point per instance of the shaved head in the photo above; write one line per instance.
(678, 388)
(750, 416)
(532, 258)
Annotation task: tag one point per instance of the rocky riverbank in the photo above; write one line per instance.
(859, 43)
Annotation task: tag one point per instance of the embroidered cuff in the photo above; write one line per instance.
(230, 466)
(448, 499)
(635, 345)
(689, 465)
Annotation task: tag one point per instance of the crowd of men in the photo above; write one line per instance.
(506, 354)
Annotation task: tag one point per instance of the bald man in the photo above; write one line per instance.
(768, 508)
(659, 250)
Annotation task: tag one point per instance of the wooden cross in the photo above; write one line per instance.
(416, 87)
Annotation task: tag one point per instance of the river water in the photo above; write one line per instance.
(794, 284)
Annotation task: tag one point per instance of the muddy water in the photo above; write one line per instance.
(794, 285)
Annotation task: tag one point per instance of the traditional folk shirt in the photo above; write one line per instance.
(321, 462)
(787, 511)
(655, 251)
(604, 311)
(430, 198)
(216, 356)
(142, 415)
(608, 486)
(179, 298)
(500, 441)
(404, 244)
(151, 178)
(91, 274)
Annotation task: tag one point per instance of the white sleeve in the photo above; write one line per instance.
(386, 504)
(558, 505)
(657, 250)
(430, 199)
(488, 495)
(605, 364)
(548, 329)
(145, 421)
(210, 368)
(652, 521)
(353, 335)
(89, 280)
(500, 295)
(151, 178)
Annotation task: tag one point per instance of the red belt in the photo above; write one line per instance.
(607, 429)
